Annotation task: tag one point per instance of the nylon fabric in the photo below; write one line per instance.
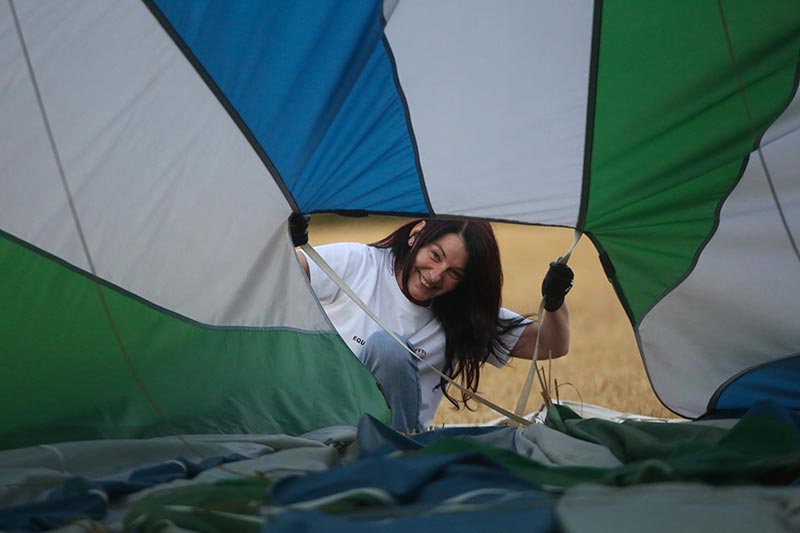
(195, 229)
(760, 448)
(746, 316)
(669, 119)
(669, 507)
(59, 354)
(472, 474)
(318, 74)
(87, 498)
(775, 381)
(478, 94)
(180, 126)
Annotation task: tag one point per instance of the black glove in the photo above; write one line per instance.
(556, 285)
(298, 227)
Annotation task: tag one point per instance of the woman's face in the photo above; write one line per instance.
(438, 268)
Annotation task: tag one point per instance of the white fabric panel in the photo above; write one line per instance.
(481, 80)
(740, 306)
(30, 186)
(29, 473)
(175, 205)
(684, 507)
(551, 447)
(388, 8)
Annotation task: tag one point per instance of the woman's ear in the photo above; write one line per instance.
(416, 229)
(412, 235)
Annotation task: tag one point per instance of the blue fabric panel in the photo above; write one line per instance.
(377, 439)
(778, 381)
(420, 487)
(314, 84)
(403, 477)
(47, 515)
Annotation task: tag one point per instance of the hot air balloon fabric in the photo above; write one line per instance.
(154, 150)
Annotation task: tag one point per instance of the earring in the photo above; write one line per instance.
(410, 243)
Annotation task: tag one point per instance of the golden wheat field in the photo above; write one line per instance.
(603, 367)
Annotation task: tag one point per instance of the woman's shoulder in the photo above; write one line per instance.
(354, 255)
(350, 249)
(341, 248)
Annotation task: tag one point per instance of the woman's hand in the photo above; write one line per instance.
(556, 284)
(554, 325)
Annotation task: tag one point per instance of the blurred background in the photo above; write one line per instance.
(603, 366)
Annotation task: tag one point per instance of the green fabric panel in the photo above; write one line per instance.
(543, 475)
(762, 448)
(232, 505)
(671, 133)
(634, 441)
(65, 378)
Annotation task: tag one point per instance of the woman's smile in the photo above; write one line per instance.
(424, 281)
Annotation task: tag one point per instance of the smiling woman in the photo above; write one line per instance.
(437, 284)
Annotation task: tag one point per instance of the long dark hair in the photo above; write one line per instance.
(469, 314)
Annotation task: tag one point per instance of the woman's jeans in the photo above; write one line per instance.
(396, 372)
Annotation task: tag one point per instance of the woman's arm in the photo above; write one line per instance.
(554, 333)
(304, 263)
(553, 327)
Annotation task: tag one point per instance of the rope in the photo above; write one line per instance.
(751, 124)
(526, 388)
(323, 265)
(169, 426)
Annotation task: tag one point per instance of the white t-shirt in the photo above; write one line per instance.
(369, 271)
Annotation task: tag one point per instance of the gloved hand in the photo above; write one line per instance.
(298, 227)
(556, 285)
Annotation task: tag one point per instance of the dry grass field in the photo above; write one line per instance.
(603, 366)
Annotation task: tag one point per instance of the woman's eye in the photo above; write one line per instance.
(435, 254)
(455, 275)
